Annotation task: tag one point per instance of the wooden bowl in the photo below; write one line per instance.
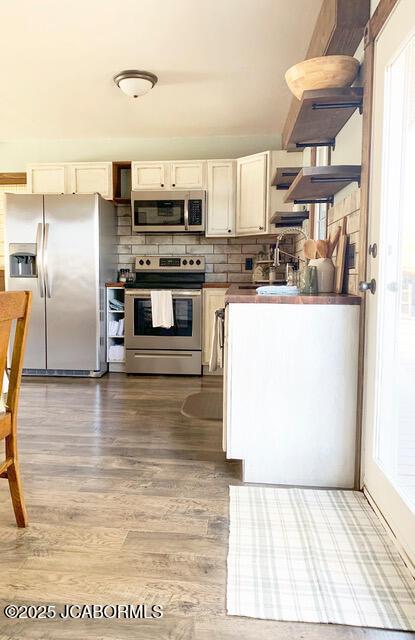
(327, 72)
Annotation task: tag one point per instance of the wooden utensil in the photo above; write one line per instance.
(310, 249)
(322, 248)
(340, 262)
(333, 243)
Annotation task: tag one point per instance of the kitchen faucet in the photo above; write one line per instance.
(277, 250)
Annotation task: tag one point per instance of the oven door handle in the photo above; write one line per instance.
(190, 293)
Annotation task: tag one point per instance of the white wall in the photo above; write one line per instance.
(16, 154)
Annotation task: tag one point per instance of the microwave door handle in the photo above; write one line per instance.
(186, 212)
(39, 259)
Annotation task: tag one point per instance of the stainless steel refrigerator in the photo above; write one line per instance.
(62, 249)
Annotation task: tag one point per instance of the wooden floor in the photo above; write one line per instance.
(128, 503)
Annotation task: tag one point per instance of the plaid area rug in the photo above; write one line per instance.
(314, 556)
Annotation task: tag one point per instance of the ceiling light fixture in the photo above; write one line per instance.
(135, 83)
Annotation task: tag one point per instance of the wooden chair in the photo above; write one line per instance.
(13, 306)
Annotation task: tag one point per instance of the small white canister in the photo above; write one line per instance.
(325, 274)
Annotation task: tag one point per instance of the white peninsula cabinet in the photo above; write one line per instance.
(71, 177)
(290, 389)
(188, 174)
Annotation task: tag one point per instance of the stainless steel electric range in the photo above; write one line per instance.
(177, 350)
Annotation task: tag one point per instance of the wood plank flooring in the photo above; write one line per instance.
(127, 503)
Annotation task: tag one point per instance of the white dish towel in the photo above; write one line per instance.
(216, 349)
(162, 309)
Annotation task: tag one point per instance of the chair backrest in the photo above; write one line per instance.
(14, 305)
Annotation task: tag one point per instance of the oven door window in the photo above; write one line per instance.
(183, 318)
(158, 213)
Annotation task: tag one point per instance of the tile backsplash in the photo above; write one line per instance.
(225, 257)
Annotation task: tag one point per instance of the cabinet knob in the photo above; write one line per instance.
(229, 230)
(173, 185)
(261, 228)
(162, 185)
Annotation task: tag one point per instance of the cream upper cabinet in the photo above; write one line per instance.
(71, 177)
(47, 178)
(213, 299)
(252, 194)
(221, 186)
(91, 177)
(149, 175)
(187, 175)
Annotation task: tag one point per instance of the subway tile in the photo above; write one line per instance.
(198, 249)
(124, 248)
(216, 258)
(229, 248)
(216, 277)
(172, 249)
(240, 277)
(138, 239)
(237, 258)
(208, 268)
(353, 222)
(186, 238)
(204, 240)
(251, 248)
(160, 239)
(227, 268)
(146, 249)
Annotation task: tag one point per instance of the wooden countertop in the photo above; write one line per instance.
(247, 294)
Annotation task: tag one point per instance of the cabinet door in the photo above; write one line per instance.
(148, 175)
(91, 177)
(212, 299)
(47, 178)
(252, 195)
(187, 175)
(221, 179)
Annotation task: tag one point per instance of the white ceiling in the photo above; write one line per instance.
(220, 64)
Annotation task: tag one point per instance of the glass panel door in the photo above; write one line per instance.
(389, 412)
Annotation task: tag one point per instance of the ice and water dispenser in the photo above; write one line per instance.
(23, 260)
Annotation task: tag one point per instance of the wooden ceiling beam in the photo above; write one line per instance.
(13, 178)
(338, 31)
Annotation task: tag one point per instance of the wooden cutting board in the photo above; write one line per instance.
(340, 263)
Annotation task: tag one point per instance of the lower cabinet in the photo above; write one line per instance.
(213, 299)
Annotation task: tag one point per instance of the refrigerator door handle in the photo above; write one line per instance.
(39, 249)
(45, 261)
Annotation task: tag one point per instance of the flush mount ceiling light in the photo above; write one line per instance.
(135, 83)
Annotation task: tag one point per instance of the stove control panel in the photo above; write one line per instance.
(170, 263)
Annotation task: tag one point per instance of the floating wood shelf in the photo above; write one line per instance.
(322, 114)
(319, 184)
(289, 217)
(284, 177)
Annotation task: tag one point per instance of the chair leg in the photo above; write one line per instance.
(13, 476)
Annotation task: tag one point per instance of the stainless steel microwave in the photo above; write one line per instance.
(168, 211)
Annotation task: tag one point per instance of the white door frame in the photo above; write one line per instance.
(380, 490)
